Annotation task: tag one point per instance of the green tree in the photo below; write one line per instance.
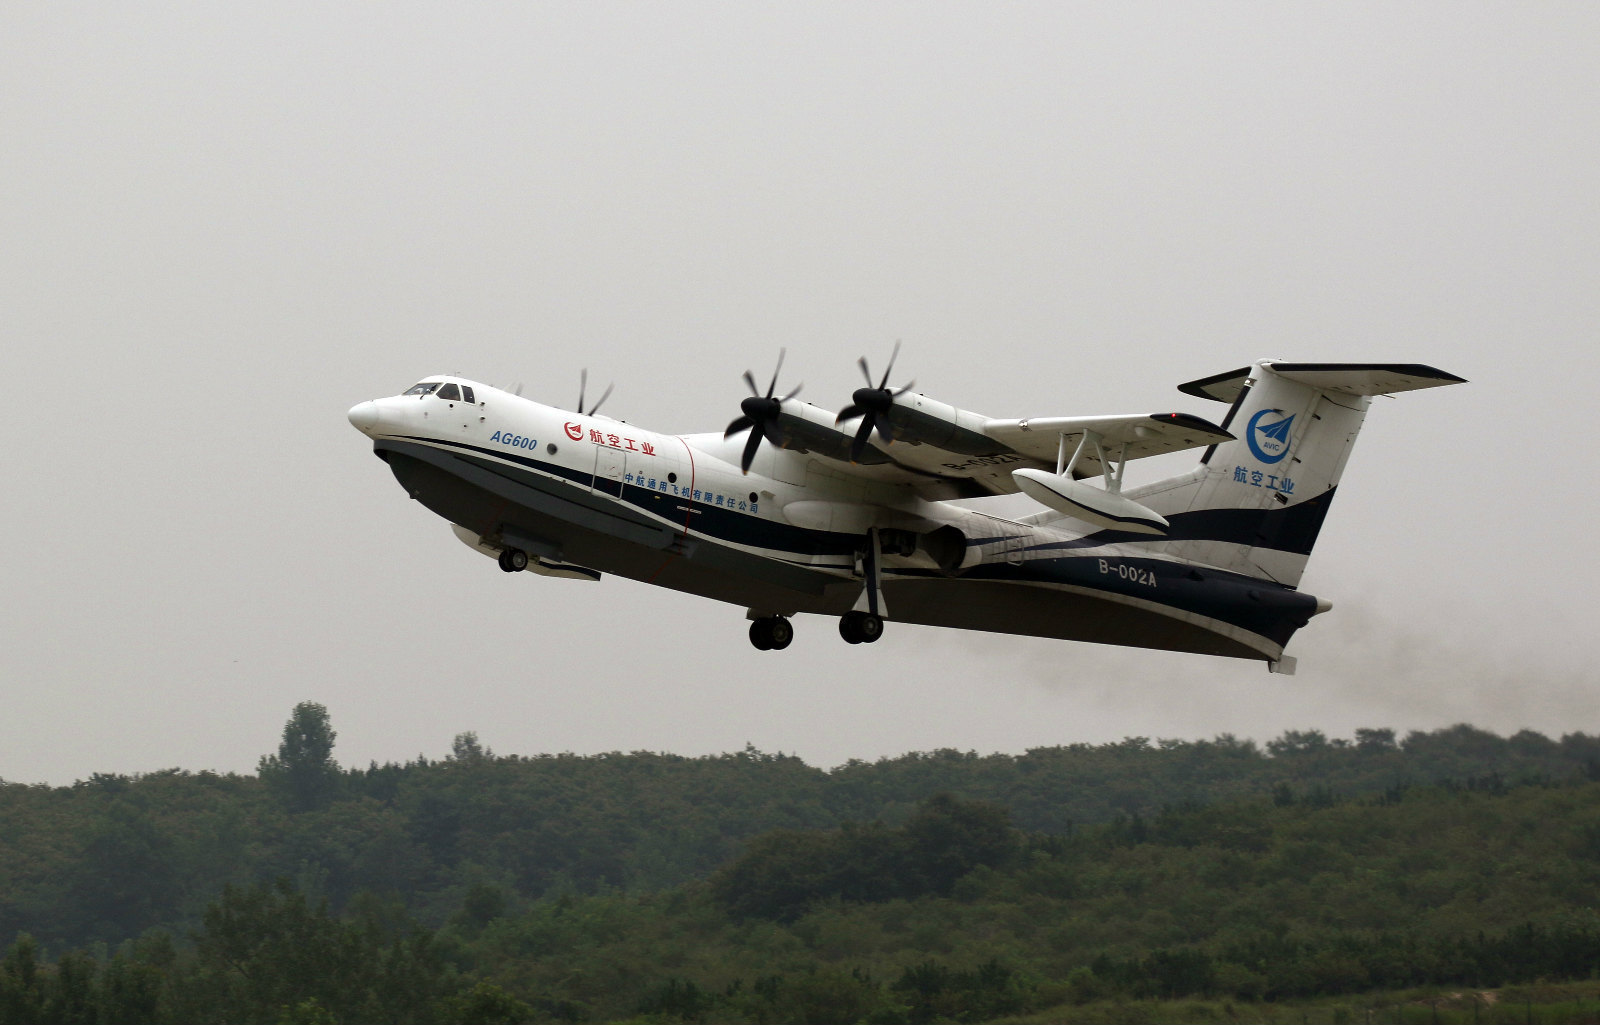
(487, 1004)
(267, 948)
(20, 997)
(949, 837)
(128, 876)
(130, 992)
(307, 1012)
(303, 770)
(468, 751)
(74, 997)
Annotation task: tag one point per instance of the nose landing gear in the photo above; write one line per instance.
(513, 560)
(771, 633)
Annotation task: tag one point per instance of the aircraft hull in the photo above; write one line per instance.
(1034, 585)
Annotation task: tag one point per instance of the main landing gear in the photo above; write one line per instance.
(771, 633)
(860, 627)
(513, 560)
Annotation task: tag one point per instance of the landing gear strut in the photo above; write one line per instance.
(864, 623)
(513, 560)
(860, 627)
(771, 633)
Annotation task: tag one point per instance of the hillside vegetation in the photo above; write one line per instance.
(752, 887)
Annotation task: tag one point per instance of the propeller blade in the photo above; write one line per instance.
(909, 385)
(849, 412)
(583, 384)
(750, 447)
(791, 395)
(775, 371)
(858, 448)
(743, 423)
(601, 401)
(881, 421)
(862, 363)
(890, 368)
(749, 379)
(770, 429)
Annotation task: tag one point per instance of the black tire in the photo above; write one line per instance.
(513, 560)
(761, 635)
(780, 633)
(848, 629)
(869, 627)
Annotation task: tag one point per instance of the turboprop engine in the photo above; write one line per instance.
(899, 416)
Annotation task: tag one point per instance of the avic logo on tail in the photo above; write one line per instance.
(1269, 442)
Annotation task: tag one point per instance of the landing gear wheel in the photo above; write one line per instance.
(513, 560)
(859, 627)
(771, 633)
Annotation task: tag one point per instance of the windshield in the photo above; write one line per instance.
(421, 389)
(450, 391)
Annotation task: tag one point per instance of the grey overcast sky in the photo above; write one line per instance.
(221, 225)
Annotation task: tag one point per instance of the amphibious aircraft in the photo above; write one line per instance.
(852, 514)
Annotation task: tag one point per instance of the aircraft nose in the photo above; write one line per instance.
(364, 417)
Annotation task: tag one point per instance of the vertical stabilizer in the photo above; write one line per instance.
(1256, 504)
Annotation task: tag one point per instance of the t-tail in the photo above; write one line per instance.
(1256, 504)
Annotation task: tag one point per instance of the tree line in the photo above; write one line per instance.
(109, 857)
(751, 887)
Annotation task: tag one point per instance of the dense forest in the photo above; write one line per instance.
(1168, 880)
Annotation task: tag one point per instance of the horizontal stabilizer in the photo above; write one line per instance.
(1340, 378)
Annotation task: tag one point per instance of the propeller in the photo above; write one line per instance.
(760, 416)
(583, 383)
(872, 405)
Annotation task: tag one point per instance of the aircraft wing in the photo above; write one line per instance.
(1144, 434)
(943, 452)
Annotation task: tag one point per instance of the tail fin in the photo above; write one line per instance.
(1256, 504)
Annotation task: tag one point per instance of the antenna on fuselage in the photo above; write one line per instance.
(583, 384)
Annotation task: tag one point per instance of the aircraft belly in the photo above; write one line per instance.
(1068, 614)
(612, 535)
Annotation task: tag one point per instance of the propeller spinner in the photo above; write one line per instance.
(760, 416)
(872, 404)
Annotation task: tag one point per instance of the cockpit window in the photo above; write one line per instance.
(424, 388)
(466, 393)
(451, 392)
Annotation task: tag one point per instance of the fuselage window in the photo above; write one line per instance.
(466, 393)
(451, 392)
(421, 389)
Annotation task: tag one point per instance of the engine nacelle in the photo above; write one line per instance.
(920, 420)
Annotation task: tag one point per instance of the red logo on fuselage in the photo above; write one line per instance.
(574, 431)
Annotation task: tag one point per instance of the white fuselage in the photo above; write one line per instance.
(587, 494)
